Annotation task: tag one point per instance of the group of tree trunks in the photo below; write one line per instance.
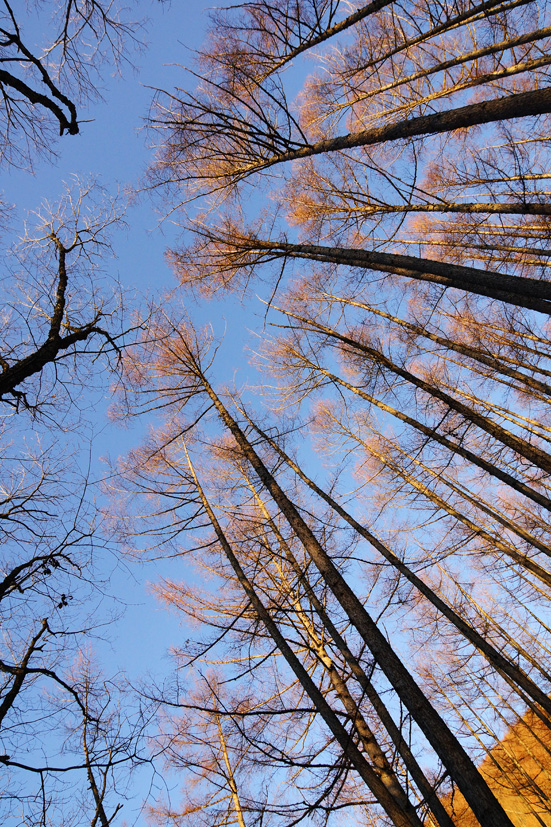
(381, 611)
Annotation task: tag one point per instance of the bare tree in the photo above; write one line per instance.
(61, 727)
(42, 85)
(70, 738)
(58, 314)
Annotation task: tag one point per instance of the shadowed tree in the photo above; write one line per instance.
(51, 66)
(61, 727)
(60, 309)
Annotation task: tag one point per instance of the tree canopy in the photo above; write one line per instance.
(360, 518)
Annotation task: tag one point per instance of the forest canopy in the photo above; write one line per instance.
(357, 506)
